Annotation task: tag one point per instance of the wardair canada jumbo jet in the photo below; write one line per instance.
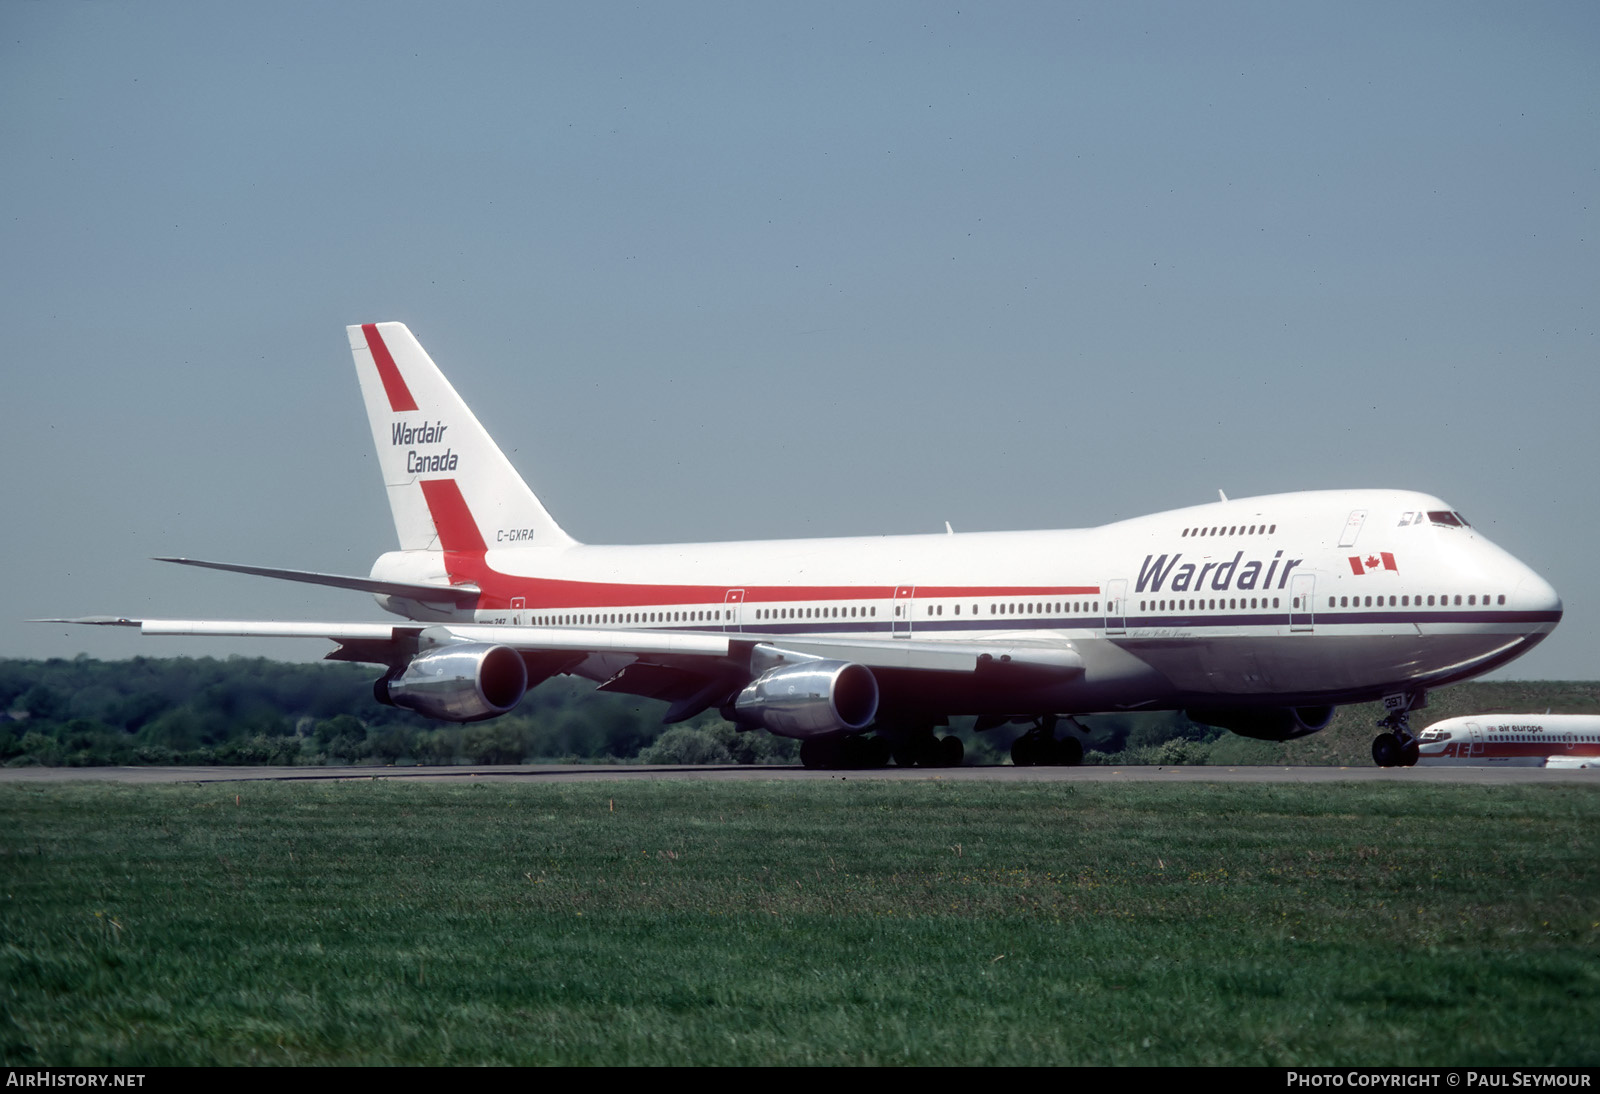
(1259, 615)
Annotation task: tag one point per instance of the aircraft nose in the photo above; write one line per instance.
(1535, 594)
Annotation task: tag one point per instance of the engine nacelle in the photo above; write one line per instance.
(1266, 723)
(464, 683)
(810, 699)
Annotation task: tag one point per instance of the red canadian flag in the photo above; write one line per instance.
(1383, 560)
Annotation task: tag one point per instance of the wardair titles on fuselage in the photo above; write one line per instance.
(1223, 575)
(417, 463)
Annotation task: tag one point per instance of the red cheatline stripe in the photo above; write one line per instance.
(1007, 590)
(462, 542)
(394, 385)
(458, 532)
(551, 593)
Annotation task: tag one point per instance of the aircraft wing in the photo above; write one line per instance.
(463, 595)
(887, 653)
(691, 670)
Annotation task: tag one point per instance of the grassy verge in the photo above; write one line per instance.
(841, 922)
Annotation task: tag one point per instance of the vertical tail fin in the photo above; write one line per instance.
(430, 446)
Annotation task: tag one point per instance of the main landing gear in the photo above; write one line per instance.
(1039, 747)
(1397, 747)
(855, 753)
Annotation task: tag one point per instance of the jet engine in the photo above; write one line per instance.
(463, 683)
(1266, 723)
(810, 699)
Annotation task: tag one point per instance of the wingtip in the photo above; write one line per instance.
(96, 621)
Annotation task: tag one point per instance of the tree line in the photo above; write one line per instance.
(236, 710)
(204, 711)
(181, 710)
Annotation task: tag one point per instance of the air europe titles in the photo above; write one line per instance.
(1224, 575)
(417, 463)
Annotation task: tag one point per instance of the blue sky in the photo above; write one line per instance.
(716, 271)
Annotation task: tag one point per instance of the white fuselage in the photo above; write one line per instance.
(1513, 740)
(1320, 597)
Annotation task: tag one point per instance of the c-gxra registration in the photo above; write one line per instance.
(1259, 615)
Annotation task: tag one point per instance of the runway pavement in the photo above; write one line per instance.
(1499, 775)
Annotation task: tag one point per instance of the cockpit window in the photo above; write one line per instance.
(1446, 518)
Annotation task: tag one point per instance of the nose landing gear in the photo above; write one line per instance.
(1397, 747)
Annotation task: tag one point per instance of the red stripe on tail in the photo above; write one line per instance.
(394, 384)
(458, 532)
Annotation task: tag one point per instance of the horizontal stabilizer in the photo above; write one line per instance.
(461, 595)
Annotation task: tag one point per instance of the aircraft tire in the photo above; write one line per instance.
(1069, 752)
(950, 751)
(1386, 750)
(820, 753)
(1410, 753)
(1022, 752)
(874, 751)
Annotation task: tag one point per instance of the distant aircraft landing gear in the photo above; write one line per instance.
(1396, 748)
(1039, 747)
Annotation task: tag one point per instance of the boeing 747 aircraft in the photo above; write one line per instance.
(1259, 615)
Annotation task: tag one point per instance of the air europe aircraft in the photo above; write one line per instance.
(1258, 615)
(1513, 740)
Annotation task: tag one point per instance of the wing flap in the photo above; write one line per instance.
(911, 655)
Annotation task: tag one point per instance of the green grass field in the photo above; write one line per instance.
(851, 921)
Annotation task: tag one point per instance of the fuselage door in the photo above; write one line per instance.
(1352, 527)
(1302, 591)
(519, 611)
(1475, 733)
(1116, 591)
(733, 610)
(900, 619)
